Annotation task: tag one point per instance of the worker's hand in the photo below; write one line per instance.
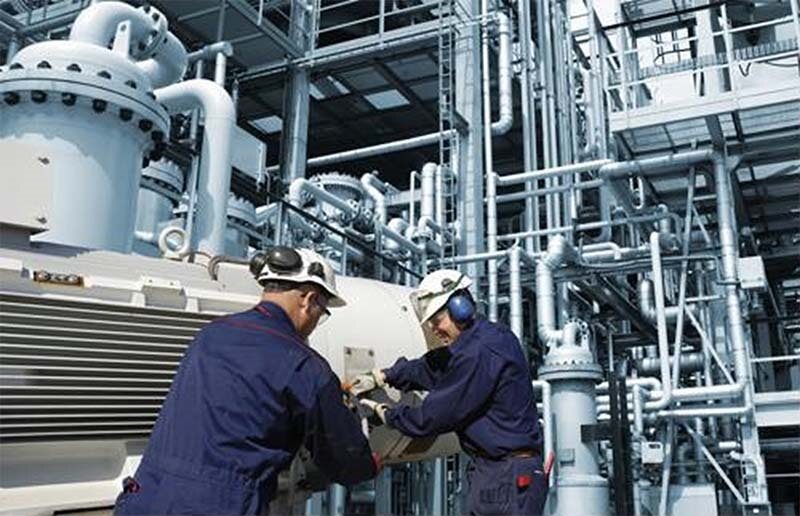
(379, 409)
(366, 382)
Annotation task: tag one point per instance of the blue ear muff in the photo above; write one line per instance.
(461, 308)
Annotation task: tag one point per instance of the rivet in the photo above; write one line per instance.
(125, 114)
(104, 74)
(131, 83)
(74, 67)
(15, 66)
(43, 65)
(145, 125)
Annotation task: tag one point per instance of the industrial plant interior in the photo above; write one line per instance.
(620, 177)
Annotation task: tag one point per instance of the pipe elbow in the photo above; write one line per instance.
(198, 93)
(98, 23)
(296, 189)
(168, 66)
(559, 251)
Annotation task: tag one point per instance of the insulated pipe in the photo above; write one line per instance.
(97, 24)
(613, 172)
(376, 188)
(506, 115)
(302, 184)
(515, 293)
(215, 175)
(438, 180)
(399, 226)
(689, 363)
(559, 251)
(547, 416)
(375, 150)
(646, 304)
(661, 323)
(575, 168)
(168, 66)
(491, 189)
(427, 191)
(209, 52)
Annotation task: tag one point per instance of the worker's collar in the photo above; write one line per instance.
(276, 314)
(466, 335)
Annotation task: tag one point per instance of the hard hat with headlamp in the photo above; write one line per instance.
(441, 289)
(281, 263)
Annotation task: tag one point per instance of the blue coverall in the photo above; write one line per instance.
(480, 387)
(247, 394)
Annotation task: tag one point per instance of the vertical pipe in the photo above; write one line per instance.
(428, 191)
(661, 319)
(491, 187)
(220, 66)
(13, 48)
(515, 294)
(528, 131)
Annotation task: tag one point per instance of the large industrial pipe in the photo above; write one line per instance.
(376, 189)
(97, 24)
(215, 175)
(647, 308)
(168, 66)
(559, 251)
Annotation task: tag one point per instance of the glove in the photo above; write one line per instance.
(366, 382)
(379, 408)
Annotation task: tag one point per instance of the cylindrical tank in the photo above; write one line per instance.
(91, 112)
(573, 372)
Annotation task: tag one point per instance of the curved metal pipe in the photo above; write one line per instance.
(97, 24)
(215, 174)
(168, 65)
(648, 310)
(559, 251)
(376, 188)
(302, 184)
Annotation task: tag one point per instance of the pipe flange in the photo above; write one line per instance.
(165, 173)
(341, 185)
(101, 97)
(241, 211)
(571, 371)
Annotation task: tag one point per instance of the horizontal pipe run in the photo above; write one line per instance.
(523, 177)
(520, 196)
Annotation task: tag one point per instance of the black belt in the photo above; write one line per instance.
(523, 453)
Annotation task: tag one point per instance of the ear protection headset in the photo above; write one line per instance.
(460, 305)
(461, 308)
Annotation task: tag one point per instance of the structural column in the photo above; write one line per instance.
(296, 100)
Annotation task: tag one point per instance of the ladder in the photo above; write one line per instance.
(448, 32)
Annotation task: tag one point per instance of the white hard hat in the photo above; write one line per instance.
(296, 265)
(434, 291)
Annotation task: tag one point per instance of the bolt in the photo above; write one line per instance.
(41, 219)
(68, 99)
(131, 84)
(145, 125)
(125, 114)
(38, 96)
(74, 67)
(11, 97)
(99, 105)
(43, 65)
(15, 66)
(104, 74)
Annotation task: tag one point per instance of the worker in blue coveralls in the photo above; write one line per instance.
(479, 385)
(247, 394)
